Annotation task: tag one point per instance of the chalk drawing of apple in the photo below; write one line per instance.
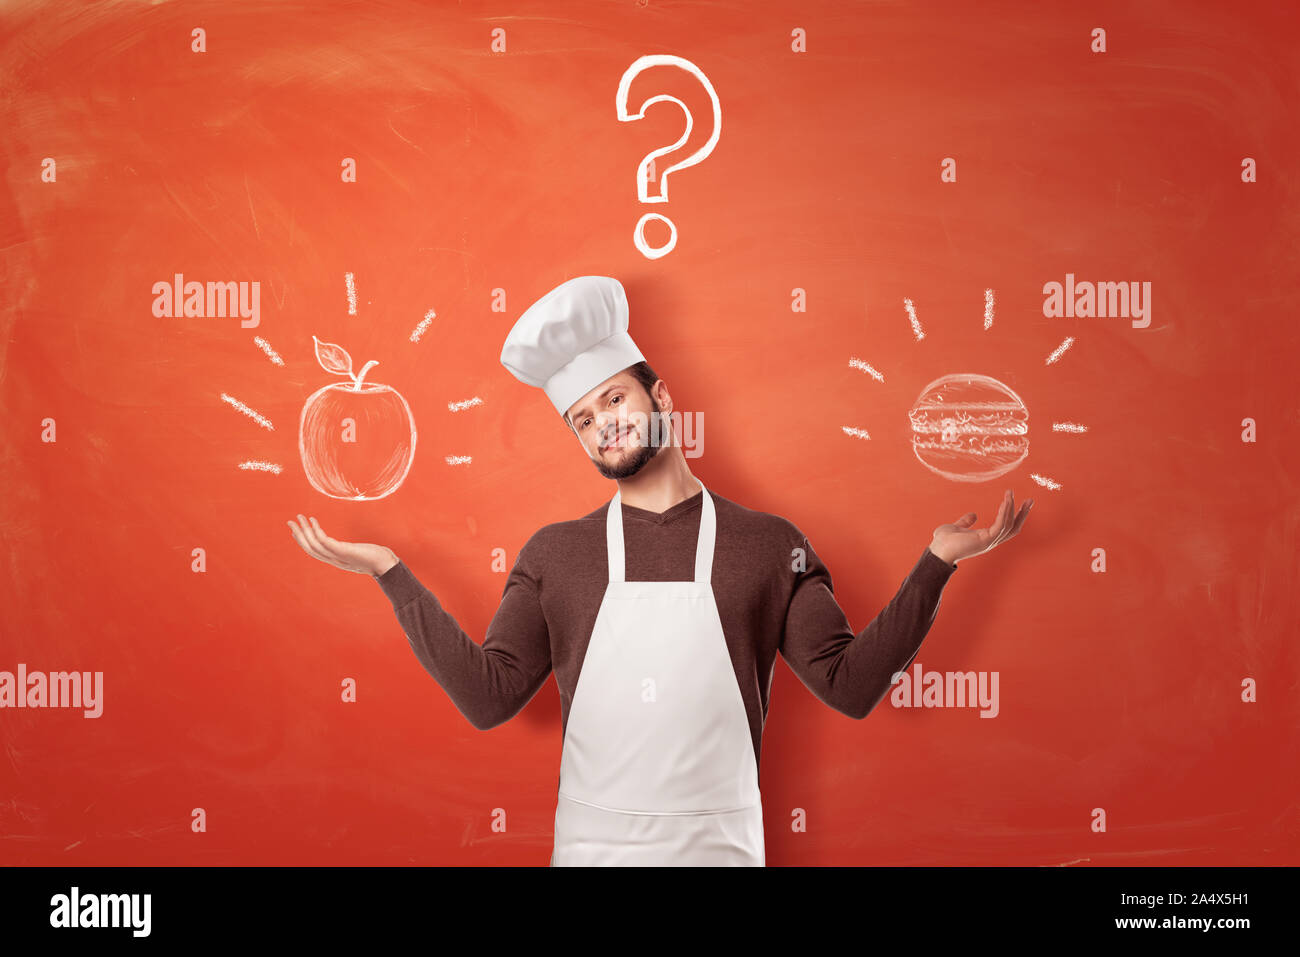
(356, 438)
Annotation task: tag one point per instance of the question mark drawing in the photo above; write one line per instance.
(642, 172)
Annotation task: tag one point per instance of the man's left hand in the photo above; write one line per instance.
(958, 540)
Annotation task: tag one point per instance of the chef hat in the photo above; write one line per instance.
(572, 339)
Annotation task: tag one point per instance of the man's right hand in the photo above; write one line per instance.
(352, 556)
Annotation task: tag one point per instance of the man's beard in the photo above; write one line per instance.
(634, 459)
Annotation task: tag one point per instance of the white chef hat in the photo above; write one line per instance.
(572, 339)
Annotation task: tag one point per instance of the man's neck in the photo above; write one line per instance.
(664, 482)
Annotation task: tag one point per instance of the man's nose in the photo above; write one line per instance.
(607, 425)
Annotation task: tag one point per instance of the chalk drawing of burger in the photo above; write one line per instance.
(969, 428)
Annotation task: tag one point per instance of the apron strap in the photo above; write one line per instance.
(614, 537)
(703, 545)
(708, 532)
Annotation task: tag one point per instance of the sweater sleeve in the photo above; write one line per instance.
(849, 672)
(488, 683)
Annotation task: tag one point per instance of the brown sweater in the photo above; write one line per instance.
(767, 604)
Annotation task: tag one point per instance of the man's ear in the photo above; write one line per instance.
(666, 402)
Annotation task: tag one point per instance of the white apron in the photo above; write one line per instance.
(658, 763)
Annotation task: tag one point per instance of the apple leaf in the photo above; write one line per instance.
(333, 358)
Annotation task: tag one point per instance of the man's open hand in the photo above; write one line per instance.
(958, 540)
(352, 556)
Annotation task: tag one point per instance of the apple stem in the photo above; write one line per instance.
(356, 381)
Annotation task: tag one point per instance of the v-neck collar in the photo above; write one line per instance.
(660, 518)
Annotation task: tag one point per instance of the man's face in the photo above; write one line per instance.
(616, 437)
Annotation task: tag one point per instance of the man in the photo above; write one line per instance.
(661, 613)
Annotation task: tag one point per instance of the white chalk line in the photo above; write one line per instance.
(424, 324)
(857, 363)
(256, 417)
(1060, 350)
(266, 347)
(916, 323)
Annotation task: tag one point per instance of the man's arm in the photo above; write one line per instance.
(488, 683)
(849, 672)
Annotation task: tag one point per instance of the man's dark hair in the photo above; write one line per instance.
(642, 373)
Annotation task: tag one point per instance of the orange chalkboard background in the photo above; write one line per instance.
(892, 189)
